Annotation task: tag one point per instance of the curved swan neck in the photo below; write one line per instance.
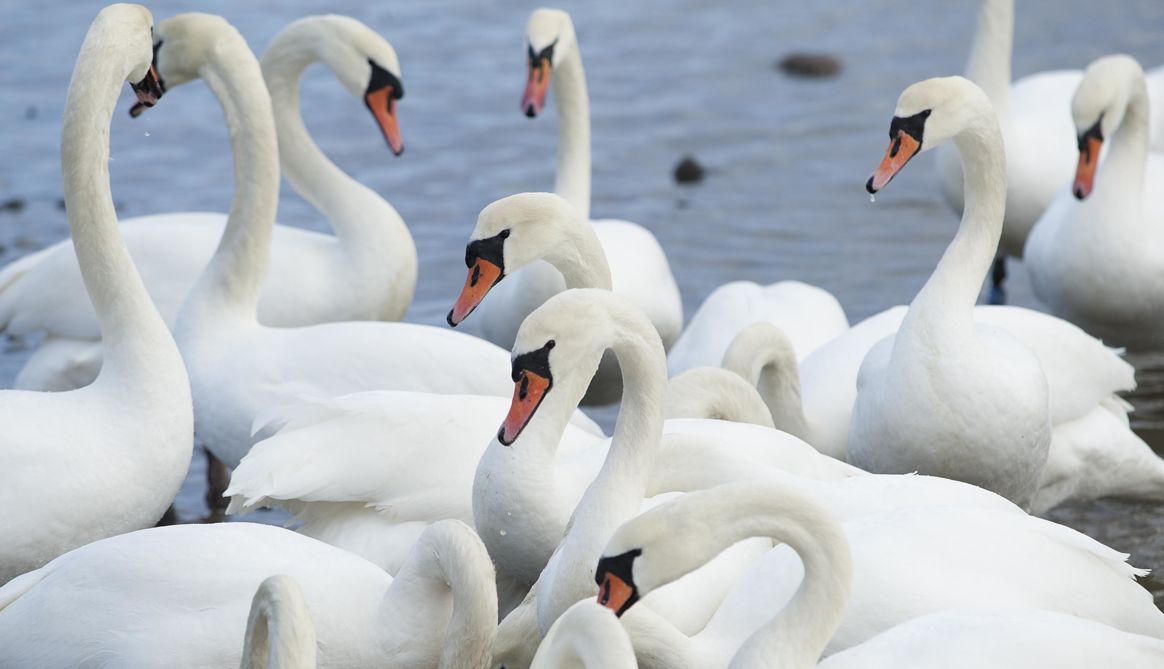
(280, 633)
(946, 303)
(581, 258)
(711, 392)
(357, 213)
(231, 284)
(448, 574)
(573, 171)
(990, 55)
(134, 335)
(617, 492)
(764, 356)
(1123, 170)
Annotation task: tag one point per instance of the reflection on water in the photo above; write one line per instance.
(786, 158)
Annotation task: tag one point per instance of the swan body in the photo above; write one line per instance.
(529, 228)
(108, 458)
(1096, 256)
(239, 367)
(586, 636)
(1036, 127)
(368, 472)
(367, 271)
(1006, 639)
(280, 633)
(836, 585)
(440, 607)
(810, 316)
(638, 265)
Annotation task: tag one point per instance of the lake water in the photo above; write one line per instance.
(787, 158)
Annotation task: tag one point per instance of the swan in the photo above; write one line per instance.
(140, 597)
(91, 463)
(1032, 113)
(586, 636)
(711, 392)
(366, 271)
(809, 315)
(529, 229)
(636, 259)
(368, 472)
(522, 498)
(836, 585)
(280, 634)
(1096, 256)
(238, 366)
(944, 395)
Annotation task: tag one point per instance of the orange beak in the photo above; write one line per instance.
(1089, 147)
(528, 392)
(534, 99)
(901, 149)
(615, 594)
(383, 106)
(483, 275)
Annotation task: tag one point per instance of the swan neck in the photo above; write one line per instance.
(280, 632)
(573, 171)
(1126, 162)
(133, 332)
(448, 575)
(767, 360)
(581, 260)
(231, 284)
(946, 302)
(990, 54)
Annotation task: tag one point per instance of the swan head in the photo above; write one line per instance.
(363, 61)
(549, 37)
(123, 20)
(1098, 108)
(928, 113)
(558, 348)
(510, 233)
(182, 45)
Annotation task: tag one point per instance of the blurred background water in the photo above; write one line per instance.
(787, 158)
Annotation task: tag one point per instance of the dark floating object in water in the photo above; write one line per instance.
(30, 112)
(688, 171)
(61, 203)
(13, 204)
(814, 65)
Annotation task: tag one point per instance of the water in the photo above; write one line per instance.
(787, 158)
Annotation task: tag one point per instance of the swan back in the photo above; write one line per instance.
(280, 634)
(586, 636)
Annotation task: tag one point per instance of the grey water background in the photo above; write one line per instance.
(787, 158)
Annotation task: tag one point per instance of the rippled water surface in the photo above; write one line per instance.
(787, 158)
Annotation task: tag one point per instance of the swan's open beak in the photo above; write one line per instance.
(149, 90)
(529, 390)
(382, 103)
(483, 275)
(534, 99)
(901, 149)
(615, 594)
(1090, 143)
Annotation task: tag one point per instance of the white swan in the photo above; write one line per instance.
(109, 458)
(903, 564)
(366, 271)
(636, 260)
(1036, 125)
(239, 367)
(368, 472)
(946, 396)
(280, 633)
(522, 498)
(1099, 262)
(527, 229)
(809, 315)
(138, 597)
(586, 636)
